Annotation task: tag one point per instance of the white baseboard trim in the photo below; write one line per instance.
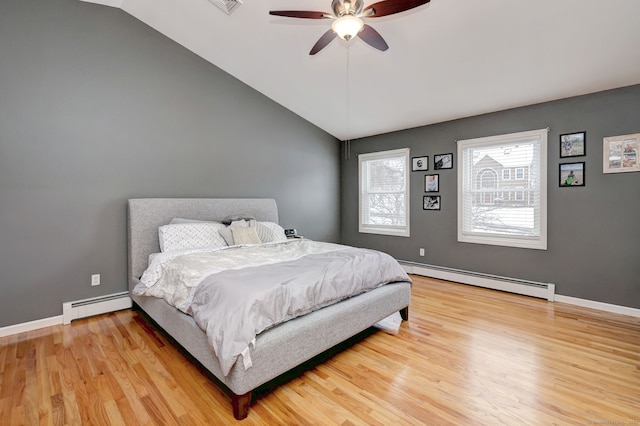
(424, 270)
(30, 326)
(495, 282)
(95, 306)
(601, 306)
(87, 307)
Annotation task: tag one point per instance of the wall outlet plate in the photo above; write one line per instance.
(95, 279)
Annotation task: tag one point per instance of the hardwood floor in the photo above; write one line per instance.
(466, 356)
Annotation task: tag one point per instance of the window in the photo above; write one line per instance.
(506, 174)
(518, 220)
(384, 192)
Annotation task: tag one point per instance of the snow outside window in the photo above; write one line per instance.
(516, 215)
(384, 192)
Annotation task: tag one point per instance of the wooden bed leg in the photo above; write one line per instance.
(404, 313)
(240, 404)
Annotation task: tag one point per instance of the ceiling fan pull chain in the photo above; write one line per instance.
(348, 106)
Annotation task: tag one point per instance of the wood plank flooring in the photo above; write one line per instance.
(467, 356)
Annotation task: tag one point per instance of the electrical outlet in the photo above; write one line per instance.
(421, 252)
(95, 279)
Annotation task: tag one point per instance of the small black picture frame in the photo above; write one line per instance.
(432, 183)
(442, 161)
(572, 174)
(431, 202)
(419, 164)
(573, 144)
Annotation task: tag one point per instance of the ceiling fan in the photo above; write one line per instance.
(347, 22)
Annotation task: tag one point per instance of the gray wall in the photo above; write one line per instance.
(593, 231)
(95, 108)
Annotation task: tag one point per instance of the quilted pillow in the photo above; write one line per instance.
(183, 236)
(270, 232)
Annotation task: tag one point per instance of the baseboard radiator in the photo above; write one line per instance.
(495, 282)
(95, 306)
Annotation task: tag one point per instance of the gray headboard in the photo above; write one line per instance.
(145, 215)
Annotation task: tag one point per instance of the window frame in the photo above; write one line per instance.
(538, 242)
(384, 229)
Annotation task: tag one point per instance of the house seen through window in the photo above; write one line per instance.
(502, 190)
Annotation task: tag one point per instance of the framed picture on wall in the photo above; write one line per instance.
(431, 183)
(419, 164)
(572, 174)
(573, 144)
(443, 161)
(431, 202)
(620, 154)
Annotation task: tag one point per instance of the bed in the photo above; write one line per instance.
(276, 350)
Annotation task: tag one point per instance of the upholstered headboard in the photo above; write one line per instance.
(145, 215)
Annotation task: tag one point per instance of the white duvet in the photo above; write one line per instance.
(173, 275)
(237, 292)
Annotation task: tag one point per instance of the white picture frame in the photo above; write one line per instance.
(621, 154)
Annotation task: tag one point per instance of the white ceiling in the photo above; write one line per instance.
(448, 59)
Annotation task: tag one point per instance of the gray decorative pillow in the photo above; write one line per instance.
(227, 235)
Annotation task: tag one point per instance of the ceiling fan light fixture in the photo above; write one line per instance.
(347, 26)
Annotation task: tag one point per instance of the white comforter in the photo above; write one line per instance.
(173, 275)
(237, 292)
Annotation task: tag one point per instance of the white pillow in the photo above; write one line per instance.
(270, 232)
(181, 236)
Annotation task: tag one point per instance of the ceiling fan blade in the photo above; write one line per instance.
(323, 41)
(389, 7)
(307, 14)
(373, 38)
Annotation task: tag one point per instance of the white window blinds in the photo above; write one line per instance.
(384, 192)
(496, 206)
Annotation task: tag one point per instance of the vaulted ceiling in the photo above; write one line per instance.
(448, 59)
